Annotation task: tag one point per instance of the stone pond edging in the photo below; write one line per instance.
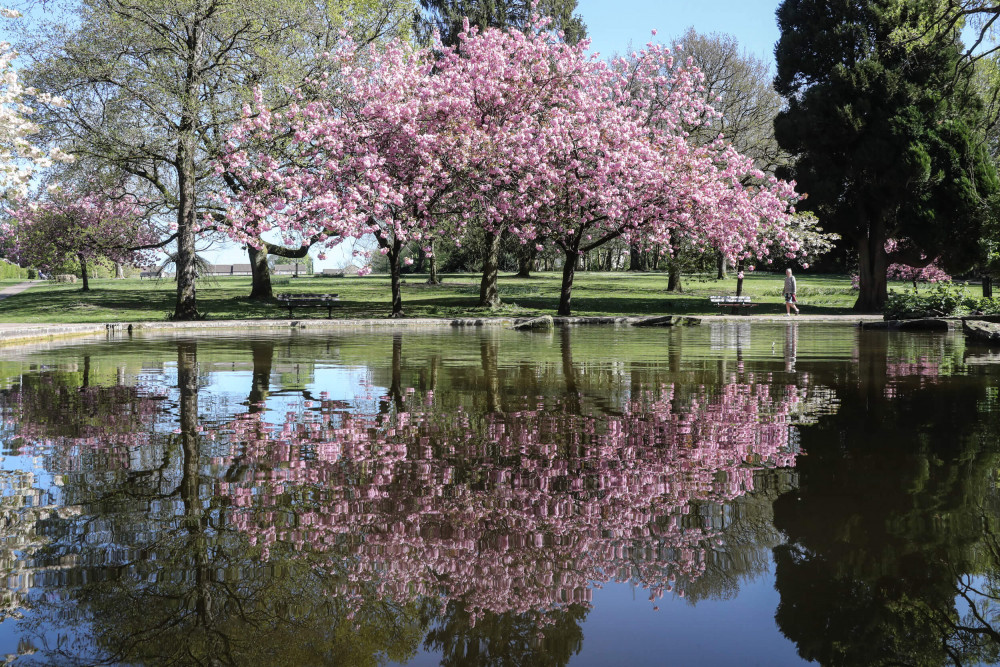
(14, 334)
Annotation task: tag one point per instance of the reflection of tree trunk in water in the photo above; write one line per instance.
(187, 383)
(428, 376)
(195, 519)
(395, 388)
(873, 373)
(569, 371)
(263, 357)
(491, 375)
(86, 372)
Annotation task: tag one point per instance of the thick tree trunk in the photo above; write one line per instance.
(418, 266)
(636, 259)
(987, 287)
(674, 277)
(569, 272)
(187, 142)
(526, 260)
(720, 265)
(872, 266)
(83, 272)
(397, 290)
(119, 271)
(489, 293)
(260, 275)
(739, 278)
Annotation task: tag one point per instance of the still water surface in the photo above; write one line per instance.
(714, 495)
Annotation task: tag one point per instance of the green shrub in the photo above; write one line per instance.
(940, 300)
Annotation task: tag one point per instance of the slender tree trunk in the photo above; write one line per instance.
(83, 272)
(872, 266)
(433, 278)
(636, 259)
(739, 278)
(489, 293)
(119, 271)
(260, 274)
(569, 272)
(397, 290)
(526, 260)
(987, 287)
(720, 265)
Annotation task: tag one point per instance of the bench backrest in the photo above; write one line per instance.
(729, 299)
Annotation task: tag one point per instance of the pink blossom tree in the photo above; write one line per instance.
(377, 154)
(85, 226)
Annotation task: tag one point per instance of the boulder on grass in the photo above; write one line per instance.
(982, 332)
(543, 323)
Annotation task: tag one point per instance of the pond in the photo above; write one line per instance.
(722, 494)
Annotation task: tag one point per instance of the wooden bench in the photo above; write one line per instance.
(737, 303)
(291, 301)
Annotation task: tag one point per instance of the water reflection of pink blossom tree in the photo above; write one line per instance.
(523, 512)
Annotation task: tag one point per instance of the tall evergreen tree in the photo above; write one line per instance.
(447, 16)
(882, 134)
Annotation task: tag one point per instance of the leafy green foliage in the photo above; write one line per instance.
(941, 300)
(883, 134)
(446, 16)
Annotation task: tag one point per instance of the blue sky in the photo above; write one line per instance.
(613, 24)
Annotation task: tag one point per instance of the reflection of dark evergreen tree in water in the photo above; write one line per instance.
(888, 522)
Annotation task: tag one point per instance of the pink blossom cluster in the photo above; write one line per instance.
(527, 511)
(70, 225)
(514, 130)
(931, 273)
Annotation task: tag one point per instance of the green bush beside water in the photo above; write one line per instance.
(939, 300)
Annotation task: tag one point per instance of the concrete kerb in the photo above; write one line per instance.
(13, 334)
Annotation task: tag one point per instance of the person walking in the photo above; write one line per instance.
(789, 291)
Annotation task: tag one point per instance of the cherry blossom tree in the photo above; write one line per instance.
(519, 130)
(379, 160)
(84, 227)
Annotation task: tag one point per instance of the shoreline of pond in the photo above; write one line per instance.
(16, 334)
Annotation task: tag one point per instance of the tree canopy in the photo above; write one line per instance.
(883, 140)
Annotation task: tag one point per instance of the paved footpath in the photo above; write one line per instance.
(16, 289)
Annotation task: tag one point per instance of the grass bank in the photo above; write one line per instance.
(615, 294)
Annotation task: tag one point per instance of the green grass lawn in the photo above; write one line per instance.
(368, 297)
